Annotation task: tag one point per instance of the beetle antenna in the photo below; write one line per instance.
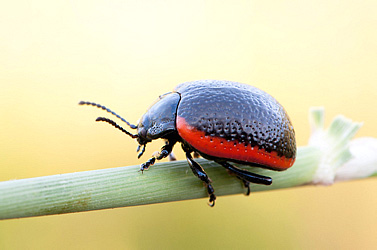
(111, 122)
(108, 110)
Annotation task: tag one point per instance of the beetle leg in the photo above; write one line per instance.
(246, 184)
(165, 151)
(171, 155)
(246, 176)
(201, 174)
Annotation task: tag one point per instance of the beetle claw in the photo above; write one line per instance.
(212, 199)
(141, 170)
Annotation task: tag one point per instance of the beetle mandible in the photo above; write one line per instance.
(222, 121)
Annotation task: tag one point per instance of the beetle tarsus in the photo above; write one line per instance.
(165, 151)
(147, 164)
(212, 196)
(212, 201)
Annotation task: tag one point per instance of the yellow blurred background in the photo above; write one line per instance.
(123, 54)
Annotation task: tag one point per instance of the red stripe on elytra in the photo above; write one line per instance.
(222, 148)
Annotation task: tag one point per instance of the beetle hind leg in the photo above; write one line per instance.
(245, 176)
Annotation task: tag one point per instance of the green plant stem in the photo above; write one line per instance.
(126, 186)
(173, 181)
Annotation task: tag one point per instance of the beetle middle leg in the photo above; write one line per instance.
(165, 151)
(245, 176)
(202, 175)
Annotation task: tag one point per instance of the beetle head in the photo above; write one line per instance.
(159, 120)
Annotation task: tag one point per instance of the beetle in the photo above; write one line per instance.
(222, 121)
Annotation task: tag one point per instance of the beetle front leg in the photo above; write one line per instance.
(171, 155)
(165, 151)
(202, 175)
